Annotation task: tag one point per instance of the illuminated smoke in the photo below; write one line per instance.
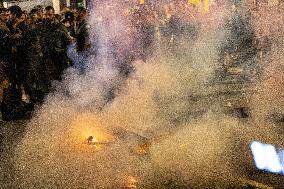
(267, 19)
(153, 104)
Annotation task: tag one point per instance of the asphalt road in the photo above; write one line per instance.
(12, 132)
(10, 135)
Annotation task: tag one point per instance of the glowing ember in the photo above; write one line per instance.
(131, 182)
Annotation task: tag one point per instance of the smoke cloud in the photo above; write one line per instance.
(143, 119)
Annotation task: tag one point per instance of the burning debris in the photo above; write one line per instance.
(92, 140)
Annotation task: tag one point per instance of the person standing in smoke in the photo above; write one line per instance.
(35, 70)
(54, 40)
(16, 103)
(180, 28)
(83, 45)
(145, 32)
(240, 48)
(3, 33)
(82, 33)
(69, 23)
(3, 50)
(3, 37)
(16, 45)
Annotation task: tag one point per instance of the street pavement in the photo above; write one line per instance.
(229, 96)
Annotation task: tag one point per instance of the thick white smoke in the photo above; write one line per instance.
(146, 124)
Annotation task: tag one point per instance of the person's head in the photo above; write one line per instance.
(69, 16)
(3, 14)
(34, 14)
(39, 8)
(49, 12)
(15, 12)
(2, 9)
(66, 23)
(37, 11)
(68, 19)
(25, 15)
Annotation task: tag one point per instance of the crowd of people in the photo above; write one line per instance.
(34, 46)
(33, 53)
